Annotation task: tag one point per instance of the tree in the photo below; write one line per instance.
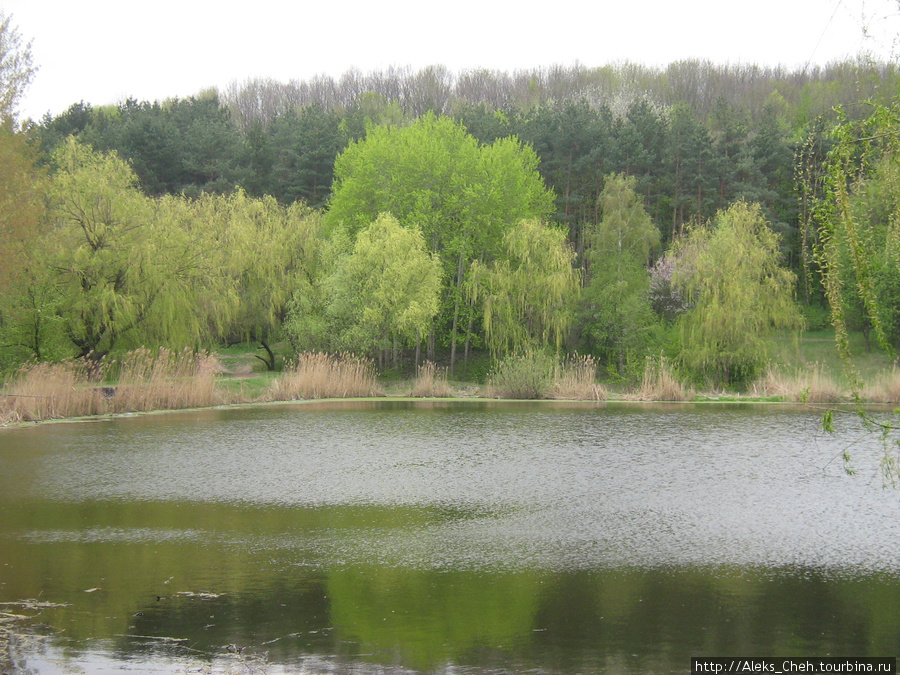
(387, 290)
(16, 68)
(126, 274)
(528, 296)
(434, 176)
(731, 273)
(616, 316)
(263, 252)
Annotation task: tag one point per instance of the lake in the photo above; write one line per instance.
(444, 537)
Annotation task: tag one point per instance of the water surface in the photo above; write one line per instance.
(475, 537)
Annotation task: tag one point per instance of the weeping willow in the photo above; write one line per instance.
(857, 220)
(528, 297)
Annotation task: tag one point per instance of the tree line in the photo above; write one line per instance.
(620, 211)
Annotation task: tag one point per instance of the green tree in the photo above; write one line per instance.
(434, 176)
(126, 275)
(263, 252)
(16, 68)
(617, 320)
(528, 296)
(731, 273)
(386, 291)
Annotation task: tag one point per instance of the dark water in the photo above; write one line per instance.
(454, 538)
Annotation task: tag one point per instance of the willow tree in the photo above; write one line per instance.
(434, 176)
(386, 291)
(857, 221)
(731, 274)
(127, 273)
(528, 295)
(264, 251)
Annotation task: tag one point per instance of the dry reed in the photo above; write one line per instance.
(146, 381)
(809, 385)
(576, 378)
(431, 382)
(320, 375)
(885, 388)
(660, 382)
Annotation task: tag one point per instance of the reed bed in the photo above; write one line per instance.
(576, 379)
(162, 380)
(813, 384)
(319, 375)
(165, 380)
(661, 383)
(41, 391)
(884, 388)
(431, 382)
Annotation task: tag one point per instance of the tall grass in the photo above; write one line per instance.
(141, 381)
(814, 384)
(884, 388)
(431, 381)
(576, 378)
(320, 375)
(165, 380)
(660, 382)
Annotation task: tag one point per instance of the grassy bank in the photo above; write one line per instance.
(807, 372)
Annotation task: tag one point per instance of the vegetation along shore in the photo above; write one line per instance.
(618, 231)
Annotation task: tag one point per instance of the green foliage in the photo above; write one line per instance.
(616, 318)
(125, 274)
(16, 68)
(387, 288)
(528, 296)
(740, 293)
(526, 375)
(434, 176)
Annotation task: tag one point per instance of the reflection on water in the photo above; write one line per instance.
(436, 537)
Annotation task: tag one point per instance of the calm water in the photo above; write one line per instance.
(453, 538)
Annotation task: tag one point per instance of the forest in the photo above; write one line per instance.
(626, 214)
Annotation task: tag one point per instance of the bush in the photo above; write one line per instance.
(522, 376)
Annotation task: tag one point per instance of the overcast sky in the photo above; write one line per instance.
(103, 51)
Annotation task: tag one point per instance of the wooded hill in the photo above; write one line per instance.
(689, 144)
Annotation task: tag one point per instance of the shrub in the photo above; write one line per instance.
(522, 376)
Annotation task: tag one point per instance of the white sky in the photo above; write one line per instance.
(103, 51)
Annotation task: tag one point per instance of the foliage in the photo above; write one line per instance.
(124, 273)
(434, 176)
(529, 295)
(16, 68)
(386, 289)
(660, 382)
(527, 375)
(617, 320)
(740, 293)
(264, 251)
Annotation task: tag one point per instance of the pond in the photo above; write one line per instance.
(444, 537)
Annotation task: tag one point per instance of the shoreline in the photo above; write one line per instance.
(711, 401)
